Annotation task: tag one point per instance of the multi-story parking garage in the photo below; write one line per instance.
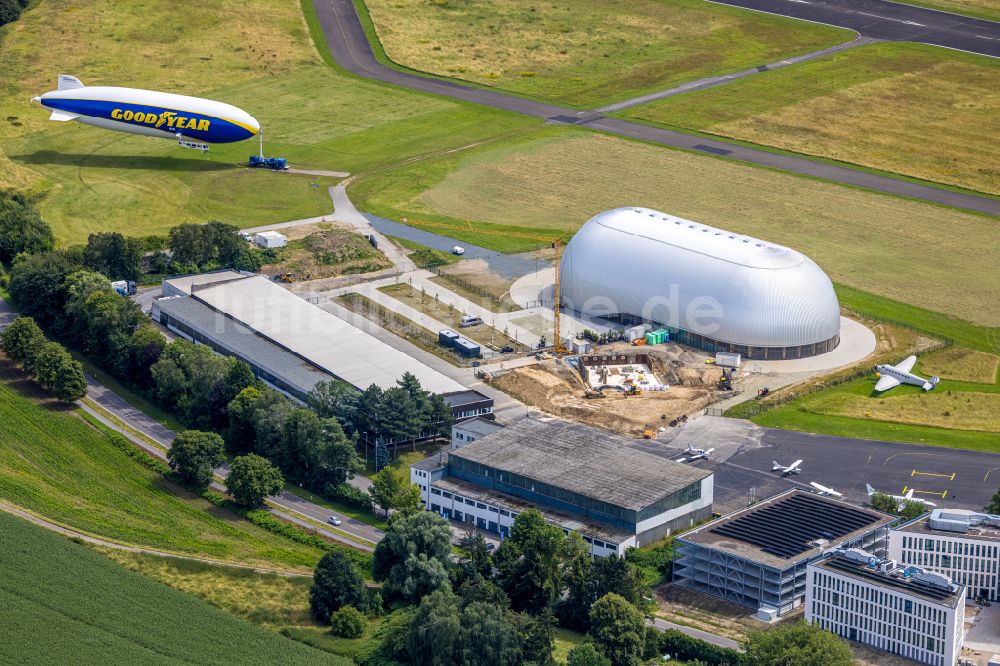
(757, 556)
(712, 289)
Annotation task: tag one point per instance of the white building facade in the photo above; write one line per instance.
(970, 557)
(881, 611)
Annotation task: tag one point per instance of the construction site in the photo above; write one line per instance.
(620, 389)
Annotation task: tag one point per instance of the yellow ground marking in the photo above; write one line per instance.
(989, 472)
(942, 493)
(950, 477)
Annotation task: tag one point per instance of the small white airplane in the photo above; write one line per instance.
(789, 469)
(891, 376)
(697, 454)
(823, 490)
(902, 499)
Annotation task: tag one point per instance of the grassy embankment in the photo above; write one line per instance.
(586, 52)
(75, 606)
(56, 465)
(555, 180)
(257, 55)
(917, 110)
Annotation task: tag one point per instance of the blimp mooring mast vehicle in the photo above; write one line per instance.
(193, 122)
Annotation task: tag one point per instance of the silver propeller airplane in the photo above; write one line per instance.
(787, 469)
(697, 454)
(823, 490)
(902, 499)
(891, 376)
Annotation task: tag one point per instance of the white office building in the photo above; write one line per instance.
(910, 612)
(963, 545)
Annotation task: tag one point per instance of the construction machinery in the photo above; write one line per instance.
(286, 277)
(726, 382)
(593, 393)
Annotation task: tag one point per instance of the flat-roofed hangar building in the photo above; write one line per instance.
(757, 556)
(581, 479)
(290, 343)
(712, 289)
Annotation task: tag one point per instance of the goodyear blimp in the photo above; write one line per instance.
(192, 121)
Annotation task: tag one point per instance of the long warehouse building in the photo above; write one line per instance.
(291, 343)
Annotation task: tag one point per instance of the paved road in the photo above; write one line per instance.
(663, 625)
(349, 47)
(882, 19)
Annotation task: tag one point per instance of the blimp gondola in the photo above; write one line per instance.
(191, 121)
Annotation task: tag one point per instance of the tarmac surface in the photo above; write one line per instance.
(742, 461)
(349, 47)
(890, 21)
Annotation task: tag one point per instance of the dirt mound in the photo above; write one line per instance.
(557, 390)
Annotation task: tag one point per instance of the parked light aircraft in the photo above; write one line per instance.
(823, 490)
(789, 469)
(891, 376)
(902, 499)
(697, 454)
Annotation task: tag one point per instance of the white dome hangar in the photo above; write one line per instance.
(713, 289)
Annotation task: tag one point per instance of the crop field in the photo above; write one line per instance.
(913, 109)
(586, 52)
(75, 606)
(56, 465)
(257, 55)
(558, 178)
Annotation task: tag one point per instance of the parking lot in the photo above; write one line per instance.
(745, 454)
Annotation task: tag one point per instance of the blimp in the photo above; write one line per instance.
(191, 121)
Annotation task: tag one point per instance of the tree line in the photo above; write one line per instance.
(503, 607)
(10, 10)
(46, 362)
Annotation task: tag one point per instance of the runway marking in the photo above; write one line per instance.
(943, 493)
(887, 18)
(950, 477)
(988, 473)
(906, 453)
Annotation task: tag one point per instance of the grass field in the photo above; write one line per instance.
(56, 465)
(72, 605)
(962, 364)
(257, 55)
(558, 178)
(586, 52)
(913, 109)
(987, 9)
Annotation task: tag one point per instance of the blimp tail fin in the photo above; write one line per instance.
(67, 82)
(62, 116)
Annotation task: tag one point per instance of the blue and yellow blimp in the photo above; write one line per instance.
(192, 121)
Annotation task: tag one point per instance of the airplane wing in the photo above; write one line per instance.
(886, 382)
(794, 465)
(907, 364)
(824, 490)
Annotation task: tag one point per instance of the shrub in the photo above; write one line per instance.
(349, 495)
(348, 622)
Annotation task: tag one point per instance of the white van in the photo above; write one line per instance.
(458, 250)
(469, 320)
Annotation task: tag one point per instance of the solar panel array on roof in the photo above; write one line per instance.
(788, 527)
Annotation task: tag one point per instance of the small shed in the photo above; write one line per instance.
(270, 239)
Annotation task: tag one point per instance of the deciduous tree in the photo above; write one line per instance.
(796, 643)
(336, 583)
(22, 341)
(618, 630)
(194, 455)
(585, 654)
(423, 534)
(253, 478)
(21, 226)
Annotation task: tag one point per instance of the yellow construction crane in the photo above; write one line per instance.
(554, 242)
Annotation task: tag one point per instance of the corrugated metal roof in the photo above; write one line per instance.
(585, 460)
(325, 339)
(719, 284)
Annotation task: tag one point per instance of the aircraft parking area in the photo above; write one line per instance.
(744, 456)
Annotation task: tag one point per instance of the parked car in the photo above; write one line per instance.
(458, 250)
(333, 520)
(470, 320)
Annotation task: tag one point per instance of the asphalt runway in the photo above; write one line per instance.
(890, 21)
(350, 49)
(951, 478)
